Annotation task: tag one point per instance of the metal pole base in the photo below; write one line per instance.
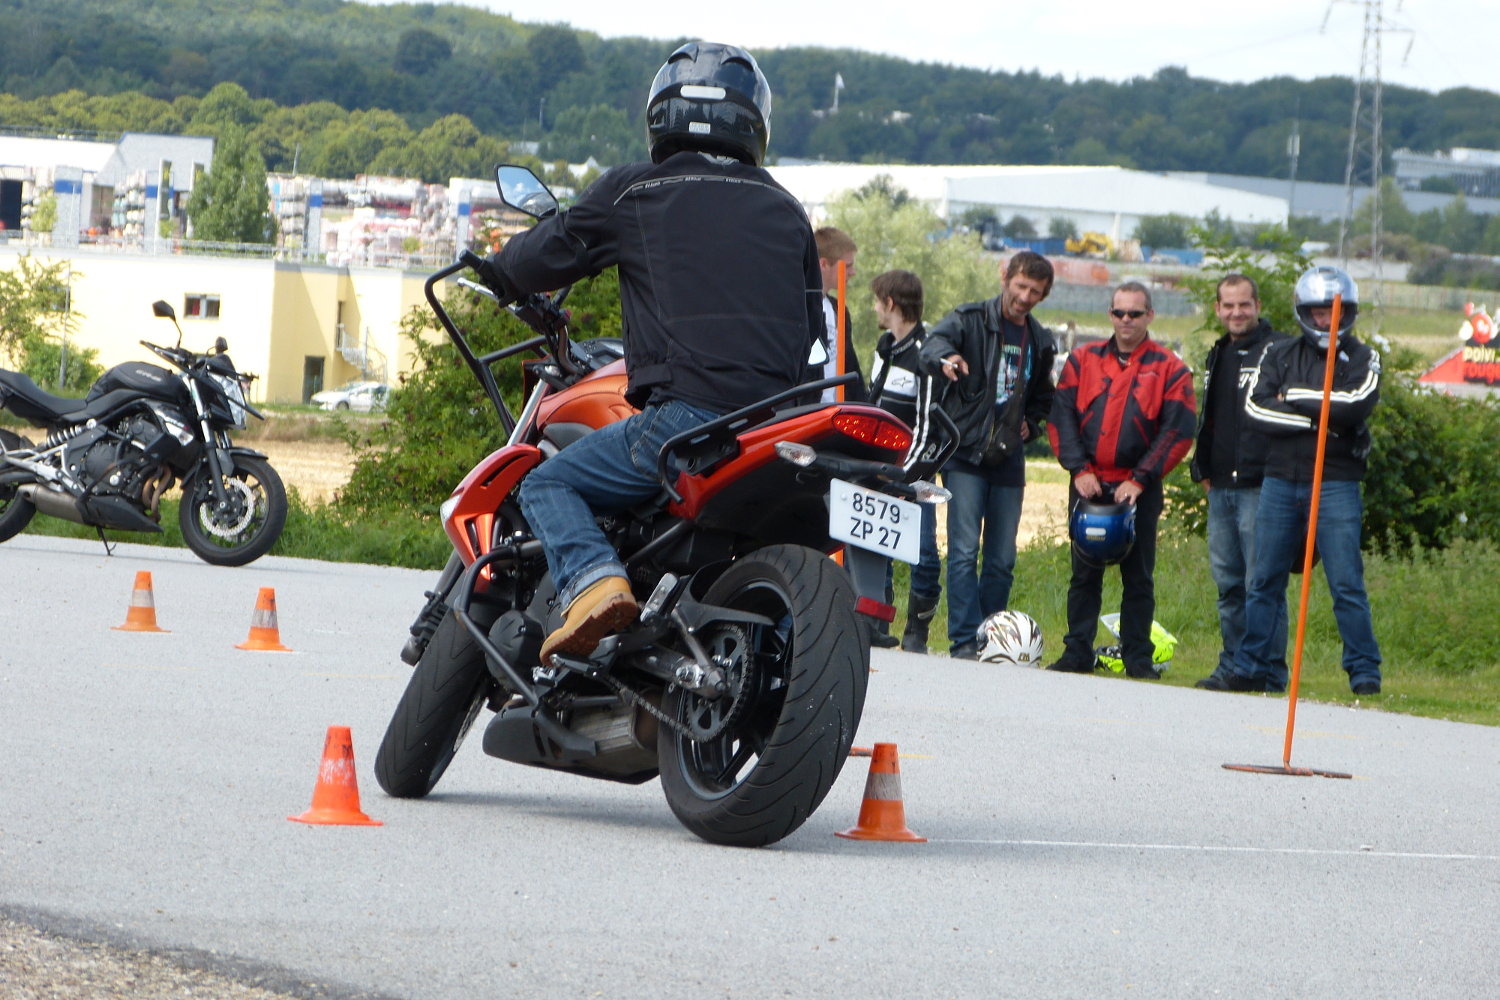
(1298, 772)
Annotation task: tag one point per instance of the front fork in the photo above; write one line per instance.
(432, 612)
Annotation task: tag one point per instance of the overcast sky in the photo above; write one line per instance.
(1453, 43)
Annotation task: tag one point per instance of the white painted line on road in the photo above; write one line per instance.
(1220, 849)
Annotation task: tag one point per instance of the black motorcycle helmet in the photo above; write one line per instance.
(712, 98)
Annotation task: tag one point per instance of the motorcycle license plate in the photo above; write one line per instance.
(874, 521)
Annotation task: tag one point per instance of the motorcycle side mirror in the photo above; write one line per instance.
(817, 357)
(163, 309)
(220, 345)
(523, 191)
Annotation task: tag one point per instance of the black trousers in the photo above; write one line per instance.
(1138, 596)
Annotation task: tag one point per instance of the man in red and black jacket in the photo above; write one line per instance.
(1122, 418)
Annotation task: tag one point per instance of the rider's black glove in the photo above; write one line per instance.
(490, 275)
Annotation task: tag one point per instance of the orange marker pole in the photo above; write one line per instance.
(842, 317)
(1312, 526)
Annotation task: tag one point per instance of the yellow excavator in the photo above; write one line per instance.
(1091, 244)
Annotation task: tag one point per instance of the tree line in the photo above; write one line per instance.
(376, 73)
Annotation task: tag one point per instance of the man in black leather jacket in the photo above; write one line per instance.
(721, 299)
(996, 360)
(1230, 462)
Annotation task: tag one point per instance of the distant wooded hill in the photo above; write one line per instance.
(579, 94)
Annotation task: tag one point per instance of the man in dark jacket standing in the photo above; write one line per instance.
(1230, 461)
(997, 360)
(720, 300)
(1286, 401)
(1121, 420)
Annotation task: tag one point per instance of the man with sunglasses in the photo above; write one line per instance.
(1122, 418)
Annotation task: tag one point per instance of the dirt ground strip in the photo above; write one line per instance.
(35, 965)
(318, 469)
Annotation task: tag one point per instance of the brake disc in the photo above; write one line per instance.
(241, 510)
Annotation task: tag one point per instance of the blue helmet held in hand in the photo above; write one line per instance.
(1102, 530)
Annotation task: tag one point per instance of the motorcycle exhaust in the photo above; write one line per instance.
(101, 511)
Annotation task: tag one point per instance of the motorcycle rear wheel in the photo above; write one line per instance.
(16, 511)
(444, 696)
(763, 776)
(246, 532)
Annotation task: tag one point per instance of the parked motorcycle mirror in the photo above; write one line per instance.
(220, 345)
(523, 190)
(163, 309)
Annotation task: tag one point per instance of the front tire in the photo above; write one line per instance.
(777, 757)
(445, 694)
(248, 528)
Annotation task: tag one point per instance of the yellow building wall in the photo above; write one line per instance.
(273, 314)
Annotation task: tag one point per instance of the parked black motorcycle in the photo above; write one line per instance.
(108, 458)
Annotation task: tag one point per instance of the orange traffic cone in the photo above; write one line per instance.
(142, 614)
(335, 800)
(882, 815)
(263, 631)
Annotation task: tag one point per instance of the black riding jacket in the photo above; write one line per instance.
(1287, 397)
(1244, 466)
(720, 292)
(974, 331)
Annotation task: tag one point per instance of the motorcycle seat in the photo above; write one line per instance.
(29, 401)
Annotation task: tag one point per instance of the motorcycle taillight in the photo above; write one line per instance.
(871, 429)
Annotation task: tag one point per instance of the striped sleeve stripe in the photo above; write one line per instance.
(1258, 412)
(1368, 386)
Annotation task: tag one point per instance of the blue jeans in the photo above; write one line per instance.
(1231, 560)
(978, 589)
(607, 471)
(927, 574)
(1280, 531)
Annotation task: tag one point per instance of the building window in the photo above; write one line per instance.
(200, 307)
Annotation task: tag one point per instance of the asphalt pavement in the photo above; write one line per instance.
(1084, 839)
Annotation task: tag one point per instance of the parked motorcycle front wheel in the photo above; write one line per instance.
(246, 528)
(772, 748)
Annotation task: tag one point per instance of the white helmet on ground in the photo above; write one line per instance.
(1010, 637)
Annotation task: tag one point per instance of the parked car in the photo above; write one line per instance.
(354, 396)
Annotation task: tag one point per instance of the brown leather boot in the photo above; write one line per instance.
(605, 607)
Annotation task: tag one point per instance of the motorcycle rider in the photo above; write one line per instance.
(720, 295)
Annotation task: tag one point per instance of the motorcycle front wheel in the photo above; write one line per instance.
(248, 526)
(768, 752)
(444, 696)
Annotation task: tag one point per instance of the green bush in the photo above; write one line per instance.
(438, 422)
(1434, 470)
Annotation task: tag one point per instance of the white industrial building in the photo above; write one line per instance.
(1109, 200)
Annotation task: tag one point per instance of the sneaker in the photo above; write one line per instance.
(1068, 666)
(1365, 687)
(605, 607)
(964, 650)
(1142, 671)
(1228, 680)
